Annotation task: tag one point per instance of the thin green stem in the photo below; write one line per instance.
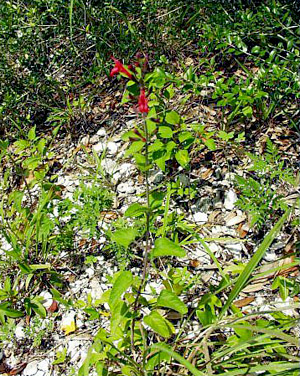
(147, 248)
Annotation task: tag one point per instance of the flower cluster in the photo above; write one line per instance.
(142, 99)
(143, 102)
(119, 68)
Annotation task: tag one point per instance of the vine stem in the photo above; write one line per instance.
(147, 247)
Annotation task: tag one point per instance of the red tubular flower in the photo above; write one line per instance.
(119, 68)
(143, 102)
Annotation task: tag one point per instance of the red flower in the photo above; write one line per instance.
(119, 68)
(143, 102)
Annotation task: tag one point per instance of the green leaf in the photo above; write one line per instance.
(172, 117)
(31, 134)
(274, 367)
(25, 268)
(7, 284)
(244, 276)
(4, 145)
(161, 162)
(60, 357)
(121, 284)
(270, 332)
(141, 161)
(124, 237)
(156, 359)
(167, 349)
(126, 136)
(10, 312)
(210, 143)
(22, 144)
(170, 300)
(155, 146)
(165, 247)
(159, 324)
(226, 136)
(165, 132)
(151, 126)
(247, 111)
(31, 163)
(183, 136)
(205, 316)
(135, 147)
(182, 157)
(255, 49)
(135, 210)
(38, 308)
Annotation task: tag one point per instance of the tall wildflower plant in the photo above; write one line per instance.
(142, 109)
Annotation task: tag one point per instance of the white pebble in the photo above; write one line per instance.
(109, 166)
(127, 187)
(43, 365)
(31, 369)
(112, 148)
(85, 140)
(230, 199)
(47, 298)
(200, 217)
(100, 147)
(101, 132)
(19, 332)
(94, 139)
(90, 272)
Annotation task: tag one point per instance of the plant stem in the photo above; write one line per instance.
(24, 179)
(147, 248)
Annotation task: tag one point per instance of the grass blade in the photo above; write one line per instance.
(244, 276)
(271, 332)
(164, 348)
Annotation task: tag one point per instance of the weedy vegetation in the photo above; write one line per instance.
(239, 61)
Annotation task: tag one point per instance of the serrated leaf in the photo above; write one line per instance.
(159, 324)
(169, 299)
(121, 284)
(182, 157)
(164, 247)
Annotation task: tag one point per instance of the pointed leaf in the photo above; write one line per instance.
(135, 210)
(170, 300)
(159, 324)
(124, 237)
(121, 284)
(165, 247)
(182, 157)
(172, 117)
(244, 276)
